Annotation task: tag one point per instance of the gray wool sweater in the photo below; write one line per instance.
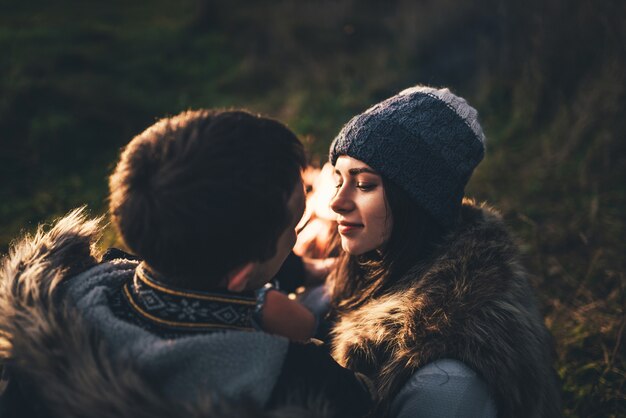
(73, 355)
(185, 367)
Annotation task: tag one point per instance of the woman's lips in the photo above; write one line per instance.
(347, 227)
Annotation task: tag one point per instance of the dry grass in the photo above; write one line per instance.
(548, 78)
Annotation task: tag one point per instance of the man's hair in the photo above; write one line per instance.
(201, 193)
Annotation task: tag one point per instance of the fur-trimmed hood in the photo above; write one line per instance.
(471, 301)
(60, 363)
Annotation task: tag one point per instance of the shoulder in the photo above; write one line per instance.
(475, 273)
(103, 278)
(481, 232)
(40, 261)
(444, 388)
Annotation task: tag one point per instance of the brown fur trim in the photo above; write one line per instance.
(470, 302)
(63, 363)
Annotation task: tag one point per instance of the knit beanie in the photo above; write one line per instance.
(427, 141)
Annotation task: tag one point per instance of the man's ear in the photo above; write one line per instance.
(238, 278)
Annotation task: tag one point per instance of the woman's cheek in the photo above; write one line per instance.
(384, 225)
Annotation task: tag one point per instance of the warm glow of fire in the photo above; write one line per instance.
(318, 223)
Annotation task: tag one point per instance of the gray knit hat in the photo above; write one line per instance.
(427, 141)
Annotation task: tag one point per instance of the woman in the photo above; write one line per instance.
(430, 298)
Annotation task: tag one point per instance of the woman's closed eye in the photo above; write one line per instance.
(364, 186)
(361, 185)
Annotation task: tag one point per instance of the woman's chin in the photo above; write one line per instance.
(354, 248)
(352, 252)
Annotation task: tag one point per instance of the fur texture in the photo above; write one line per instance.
(471, 302)
(50, 351)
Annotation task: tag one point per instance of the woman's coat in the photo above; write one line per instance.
(471, 302)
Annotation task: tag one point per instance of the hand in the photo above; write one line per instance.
(317, 269)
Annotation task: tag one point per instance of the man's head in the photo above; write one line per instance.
(207, 193)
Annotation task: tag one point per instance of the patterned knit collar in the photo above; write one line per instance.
(171, 307)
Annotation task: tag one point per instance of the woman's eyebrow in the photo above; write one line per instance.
(359, 170)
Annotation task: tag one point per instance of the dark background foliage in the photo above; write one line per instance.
(79, 79)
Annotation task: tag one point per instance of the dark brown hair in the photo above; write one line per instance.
(414, 236)
(203, 192)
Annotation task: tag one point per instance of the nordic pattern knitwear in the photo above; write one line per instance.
(235, 364)
(427, 141)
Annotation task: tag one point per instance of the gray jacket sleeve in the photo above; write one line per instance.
(444, 388)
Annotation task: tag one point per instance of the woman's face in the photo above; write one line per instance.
(363, 216)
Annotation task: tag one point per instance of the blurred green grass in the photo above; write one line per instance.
(80, 79)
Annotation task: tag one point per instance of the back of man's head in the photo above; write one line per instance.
(201, 193)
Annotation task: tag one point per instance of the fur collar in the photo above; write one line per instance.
(50, 350)
(471, 302)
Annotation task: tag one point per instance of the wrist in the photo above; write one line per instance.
(261, 296)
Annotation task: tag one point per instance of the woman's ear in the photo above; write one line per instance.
(239, 277)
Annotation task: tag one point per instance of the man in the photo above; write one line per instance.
(207, 202)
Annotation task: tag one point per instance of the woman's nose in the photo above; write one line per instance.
(341, 202)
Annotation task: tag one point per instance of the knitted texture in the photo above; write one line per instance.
(234, 364)
(427, 141)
